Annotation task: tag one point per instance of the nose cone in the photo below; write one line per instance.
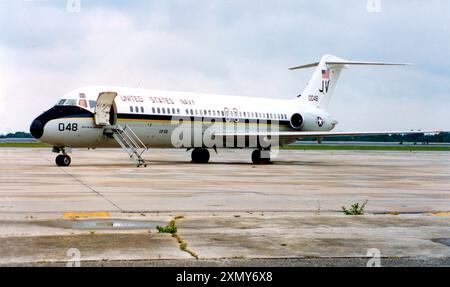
(37, 129)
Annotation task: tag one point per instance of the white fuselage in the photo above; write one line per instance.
(150, 114)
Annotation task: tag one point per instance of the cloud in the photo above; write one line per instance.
(229, 47)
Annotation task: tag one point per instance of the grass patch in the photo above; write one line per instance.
(184, 246)
(355, 209)
(367, 147)
(170, 228)
(24, 145)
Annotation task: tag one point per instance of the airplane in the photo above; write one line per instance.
(138, 119)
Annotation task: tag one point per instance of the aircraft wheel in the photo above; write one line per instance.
(200, 155)
(257, 159)
(63, 160)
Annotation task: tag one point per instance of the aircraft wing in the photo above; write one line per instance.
(300, 135)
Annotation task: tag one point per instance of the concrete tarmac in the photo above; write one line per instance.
(285, 213)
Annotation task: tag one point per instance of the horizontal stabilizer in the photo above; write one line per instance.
(366, 63)
(305, 66)
(331, 60)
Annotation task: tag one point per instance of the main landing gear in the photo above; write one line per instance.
(200, 155)
(62, 159)
(261, 156)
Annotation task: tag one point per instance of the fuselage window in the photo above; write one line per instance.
(131, 109)
(163, 110)
(153, 110)
(204, 112)
(192, 112)
(137, 109)
(214, 113)
(187, 112)
(159, 110)
(173, 111)
(178, 111)
(142, 109)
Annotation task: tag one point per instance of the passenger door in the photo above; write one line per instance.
(105, 111)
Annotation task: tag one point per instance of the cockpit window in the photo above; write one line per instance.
(77, 102)
(82, 103)
(61, 102)
(92, 104)
(71, 102)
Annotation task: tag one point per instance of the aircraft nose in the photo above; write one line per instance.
(37, 129)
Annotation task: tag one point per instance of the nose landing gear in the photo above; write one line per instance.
(200, 155)
(62, 159)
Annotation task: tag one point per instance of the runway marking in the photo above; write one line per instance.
(86, 214)
(440, 213)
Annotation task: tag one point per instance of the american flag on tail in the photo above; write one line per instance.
(325, 74)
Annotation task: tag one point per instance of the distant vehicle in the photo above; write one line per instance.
(137, 119)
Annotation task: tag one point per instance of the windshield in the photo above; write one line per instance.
(68, 102)
(82, 101)
(61, 102)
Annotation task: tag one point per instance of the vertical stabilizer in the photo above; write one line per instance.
(321, 86)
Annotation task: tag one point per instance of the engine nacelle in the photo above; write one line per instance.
(307, 121)
(297, 121)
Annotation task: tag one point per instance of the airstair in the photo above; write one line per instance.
(129, 142)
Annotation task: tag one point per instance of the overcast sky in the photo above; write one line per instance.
(230, 47)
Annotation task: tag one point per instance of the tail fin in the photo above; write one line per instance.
(323, 81)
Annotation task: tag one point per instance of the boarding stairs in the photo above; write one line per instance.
(129, 142)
